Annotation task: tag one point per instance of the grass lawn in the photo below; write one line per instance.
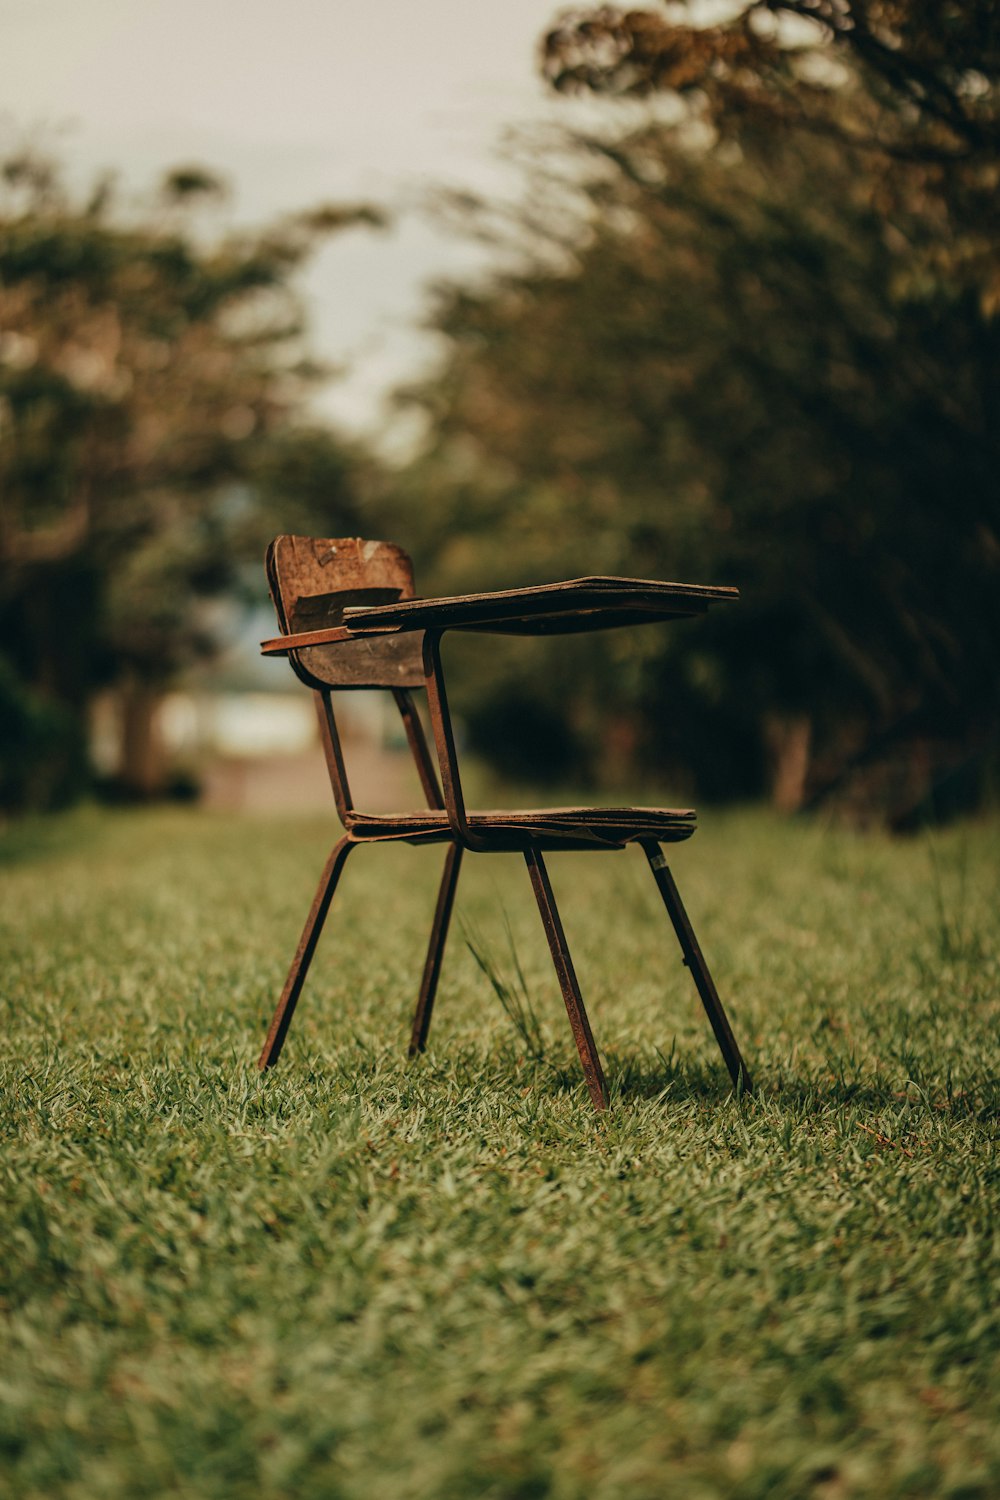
(360, 1277)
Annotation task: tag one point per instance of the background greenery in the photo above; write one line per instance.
(363, 1277)
(749, 335)
(744, 332)
(154, 369)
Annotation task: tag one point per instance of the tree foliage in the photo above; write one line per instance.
(152, 367)
(914, 87)
(766, 354)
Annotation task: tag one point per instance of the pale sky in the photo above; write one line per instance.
(296, 102)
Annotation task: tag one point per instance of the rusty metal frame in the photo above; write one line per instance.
(435, 949)
(304, 952)
(566, 974)
(444, 740)
(694, 961)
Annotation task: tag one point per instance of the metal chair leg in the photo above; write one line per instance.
(695, 961)
(303, 954)
(558, 947)
(435, 949)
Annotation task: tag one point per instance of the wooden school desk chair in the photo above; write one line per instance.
(349, 619)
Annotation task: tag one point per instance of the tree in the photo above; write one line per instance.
(771, 360)
(912, 87)
(149, 365)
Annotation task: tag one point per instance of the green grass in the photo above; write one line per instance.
(359, 1277)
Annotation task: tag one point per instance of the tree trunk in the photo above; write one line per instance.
(788, 739)
(141, 760)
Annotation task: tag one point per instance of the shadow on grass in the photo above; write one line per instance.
(507, 1071)
(629, 1077)
(978, 1102)
(808, 1092)
(640, 1076)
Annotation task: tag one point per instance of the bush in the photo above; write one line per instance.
(43, 753)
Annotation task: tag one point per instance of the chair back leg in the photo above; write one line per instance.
(435, 949)
(695, 961)
(559, 948)
(303, 954)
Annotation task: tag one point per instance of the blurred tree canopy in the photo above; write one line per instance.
(751, 338)
(153, 367)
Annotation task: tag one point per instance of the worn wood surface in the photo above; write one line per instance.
(304, 567)
(575, 604)
(546, 827)
(314, 580)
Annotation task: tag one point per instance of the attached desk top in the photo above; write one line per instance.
(577, 604)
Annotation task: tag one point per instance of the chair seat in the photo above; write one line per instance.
(548, 827)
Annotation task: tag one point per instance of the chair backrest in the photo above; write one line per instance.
(312, 582)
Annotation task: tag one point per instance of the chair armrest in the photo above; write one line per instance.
(281, 645)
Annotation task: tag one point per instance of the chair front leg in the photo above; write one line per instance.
(559, 948)
(695, 961)
(444, 743)
(435, 949)
(303, 954)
